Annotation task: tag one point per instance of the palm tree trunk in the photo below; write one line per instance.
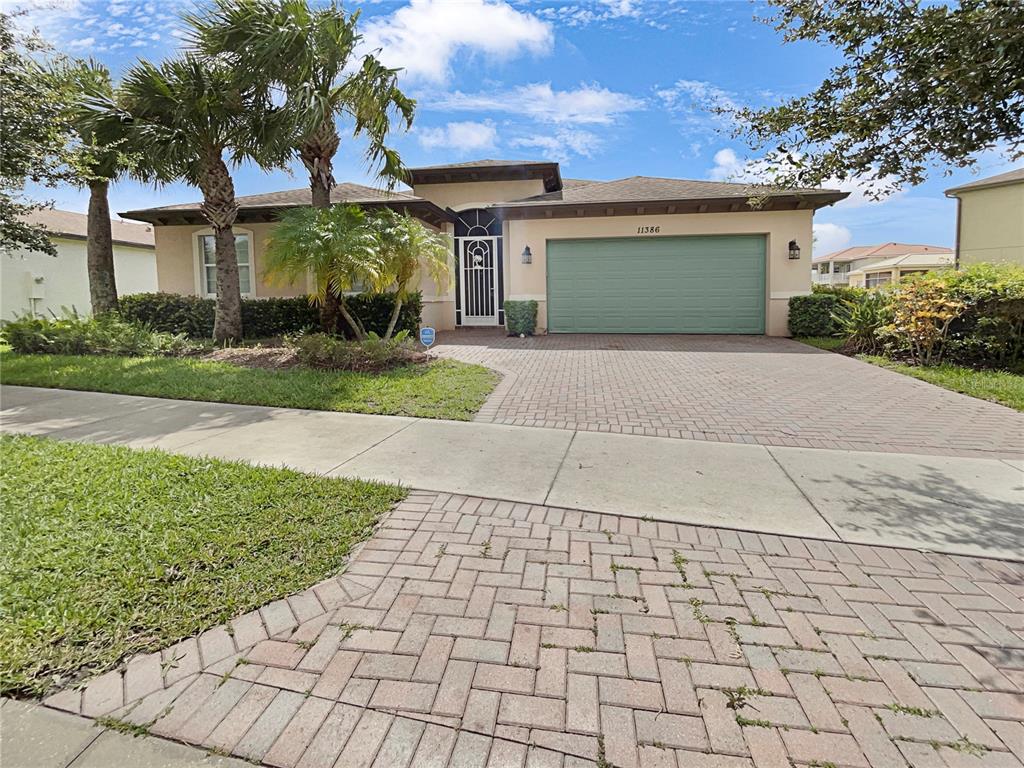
(329, 312)
(317, 152)
(221, 210)
(394, 316)
(353, 322)
(100, 251)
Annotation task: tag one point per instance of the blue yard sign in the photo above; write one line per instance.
(427, 336)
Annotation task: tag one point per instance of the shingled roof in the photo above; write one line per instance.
(651, 194)
(75, 226)
(264, 207)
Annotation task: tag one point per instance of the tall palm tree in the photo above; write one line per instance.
(188, 120)
(302, 60)
(337, 246)
(100, 155)
(406, 247)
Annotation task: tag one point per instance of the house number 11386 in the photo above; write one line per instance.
(648, 230)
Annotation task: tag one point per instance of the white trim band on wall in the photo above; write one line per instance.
(788, 294)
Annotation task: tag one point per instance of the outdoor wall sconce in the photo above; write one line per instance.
(527, 255)
(794, 250)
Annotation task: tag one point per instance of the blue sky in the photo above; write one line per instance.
(610, 88)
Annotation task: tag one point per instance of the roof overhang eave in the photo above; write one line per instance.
(570, 209)
(421, 209)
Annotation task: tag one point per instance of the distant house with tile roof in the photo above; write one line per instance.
(835, 268)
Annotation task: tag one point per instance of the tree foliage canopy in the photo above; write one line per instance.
(920, 84)
(33, 135)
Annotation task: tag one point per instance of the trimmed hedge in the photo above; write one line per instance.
(521, 317)
(812, 315)
(262, 318)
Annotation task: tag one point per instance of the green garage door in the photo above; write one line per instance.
(712, 284)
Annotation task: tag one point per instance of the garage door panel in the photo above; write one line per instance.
(713, 284)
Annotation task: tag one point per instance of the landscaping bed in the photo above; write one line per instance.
(106, 552)
(443, 389)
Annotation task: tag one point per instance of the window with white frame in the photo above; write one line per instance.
(841, 267)
(875, 279)
(825, 267)
(208, 263)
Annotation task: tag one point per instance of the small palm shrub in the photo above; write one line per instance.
(74, 334)
(320, 350)
(858, 320)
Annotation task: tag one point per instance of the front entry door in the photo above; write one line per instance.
(478, 261)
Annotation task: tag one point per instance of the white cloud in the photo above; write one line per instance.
(730, 167)
(560, 146)
(830, 237)
(696, 103)
(588, 104)
(465, 136)
(423, 37)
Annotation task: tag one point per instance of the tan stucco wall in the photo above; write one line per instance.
(176, 261)
(992, 225)
(477, 194)
(786, 277)
(176, 258)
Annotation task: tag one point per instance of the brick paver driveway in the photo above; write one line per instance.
(470, 632)
(742, 389)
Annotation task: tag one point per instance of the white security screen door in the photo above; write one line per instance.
(478, 275)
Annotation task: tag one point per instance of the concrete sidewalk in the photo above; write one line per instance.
(957, 505)
(33, 736)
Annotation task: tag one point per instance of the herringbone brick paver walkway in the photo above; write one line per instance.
(471, 632)
(731, 389)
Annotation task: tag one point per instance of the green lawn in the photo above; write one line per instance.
(107, 551)
(441, 390)
(998, 386)
(830, 343)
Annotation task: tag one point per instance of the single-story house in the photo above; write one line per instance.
(889, 271)
(37, 283)
(634, 255)
(835, 268)
(990, 219)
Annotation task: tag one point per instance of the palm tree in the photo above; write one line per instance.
(286, 49)
(301, 60)
(100, 155)
(337, 246)
(188, 119)
(406, 247)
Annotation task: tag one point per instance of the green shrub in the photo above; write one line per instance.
(319, 350)
(972, 317)
(103, 335)
(842, 292)
(812, 315)
(262, 318)
(521, 317)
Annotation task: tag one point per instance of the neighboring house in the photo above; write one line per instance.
(835, 268)
(990, 219)
(889, 271)
(39, 284)
(635, 255)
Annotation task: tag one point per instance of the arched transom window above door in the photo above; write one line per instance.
(477, 223)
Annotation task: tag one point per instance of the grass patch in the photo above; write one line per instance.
(107, 551)
(998, 386)
(445, 389)
(830, 343)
